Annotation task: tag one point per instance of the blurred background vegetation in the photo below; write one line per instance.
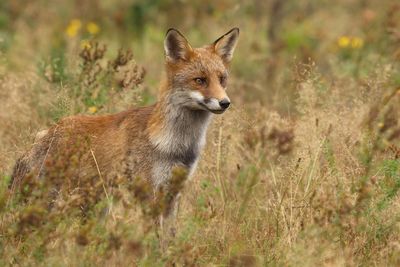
(342, 38)
(302, 171)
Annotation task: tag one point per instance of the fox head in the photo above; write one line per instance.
(197, 77)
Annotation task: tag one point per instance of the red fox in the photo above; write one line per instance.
(146, 142)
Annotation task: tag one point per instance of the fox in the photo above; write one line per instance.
(150, 141)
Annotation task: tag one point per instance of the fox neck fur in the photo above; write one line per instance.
(176, 133)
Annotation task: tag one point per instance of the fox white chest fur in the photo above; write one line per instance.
(180, 140)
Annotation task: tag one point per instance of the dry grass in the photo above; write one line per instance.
(303, 170)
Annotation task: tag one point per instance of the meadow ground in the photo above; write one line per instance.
(303, 170)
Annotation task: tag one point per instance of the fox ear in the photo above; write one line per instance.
(225, 45)
(176, 46)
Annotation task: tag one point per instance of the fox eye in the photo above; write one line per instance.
(200, 80)
(222, 80)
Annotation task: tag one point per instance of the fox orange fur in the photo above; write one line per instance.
(150, 141)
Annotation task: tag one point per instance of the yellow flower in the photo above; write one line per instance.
(73, 27)
(92, 28)
(92, 109)
(357, 42)
(85, 44)
(343, 41)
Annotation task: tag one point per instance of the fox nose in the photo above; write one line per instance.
(224, 103)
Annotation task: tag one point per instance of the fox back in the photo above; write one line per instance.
(145, 142)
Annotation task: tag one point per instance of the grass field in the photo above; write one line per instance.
(302, 170)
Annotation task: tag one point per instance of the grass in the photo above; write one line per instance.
(303, 170)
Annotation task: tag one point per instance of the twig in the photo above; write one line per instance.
(102, 182)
